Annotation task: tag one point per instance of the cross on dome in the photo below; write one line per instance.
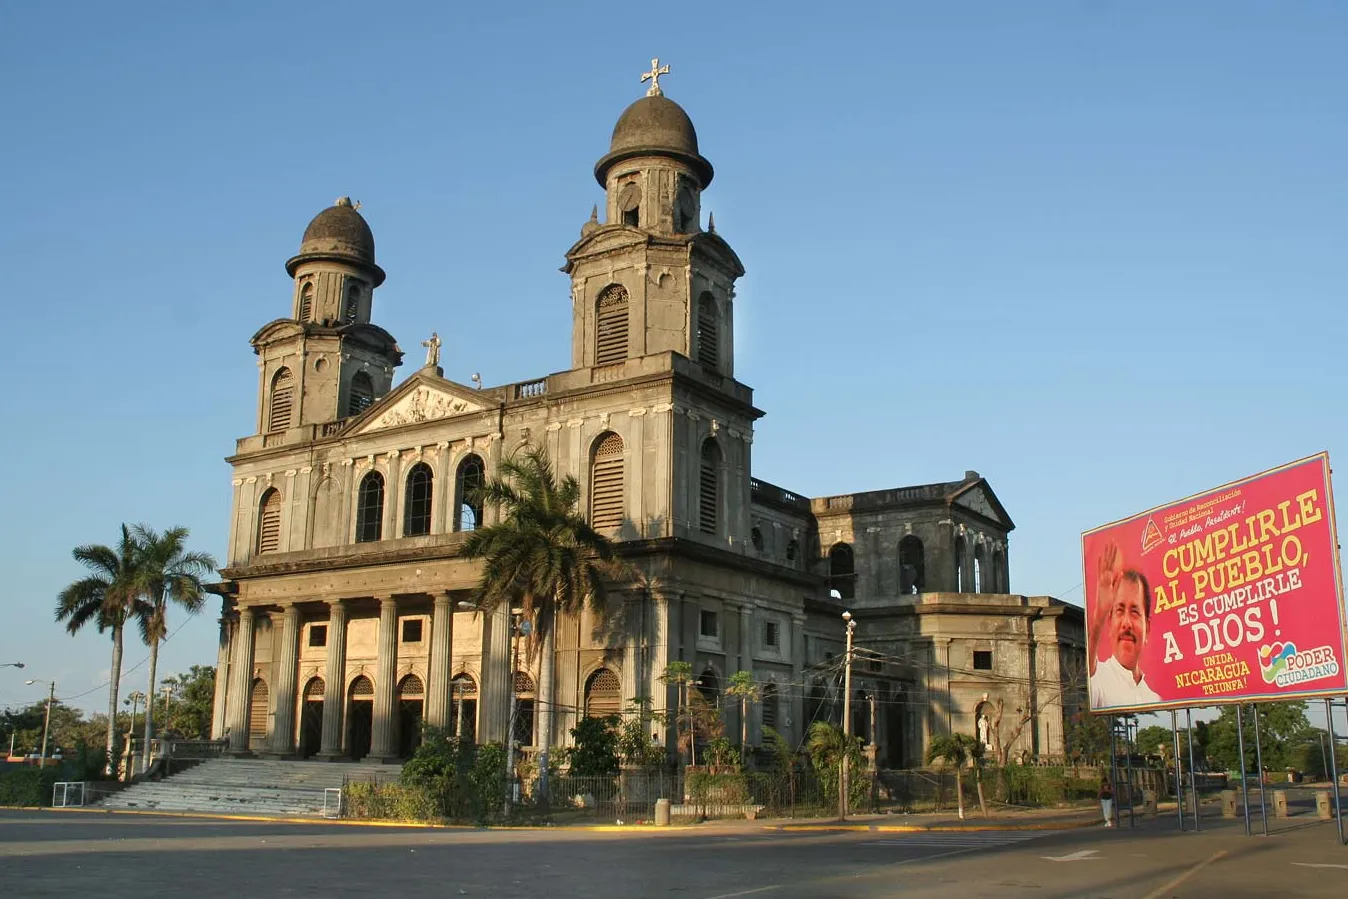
(653, 76)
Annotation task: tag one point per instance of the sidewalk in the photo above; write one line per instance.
(1004, 819)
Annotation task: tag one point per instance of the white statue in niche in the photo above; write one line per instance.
(983, 727)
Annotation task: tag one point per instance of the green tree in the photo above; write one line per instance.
(191, 702)
(826, 744)
(109, 598)
(1088, 738)
(543, 554)
(742, 685)
(1156, 740)
(168, 574)
(956, 750)
(635, 745)
(595, 749)
(1282, 725)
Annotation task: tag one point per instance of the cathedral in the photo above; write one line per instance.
(347, 611)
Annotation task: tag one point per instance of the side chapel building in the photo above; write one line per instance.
(344, 622)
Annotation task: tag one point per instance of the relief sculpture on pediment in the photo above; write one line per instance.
(423, 404)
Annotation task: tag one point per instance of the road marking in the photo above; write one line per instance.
(1165, 888)
(1312, 865)
(1078, 856)
(775, 886)
(968, 840)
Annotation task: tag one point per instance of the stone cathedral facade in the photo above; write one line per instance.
(347, 616)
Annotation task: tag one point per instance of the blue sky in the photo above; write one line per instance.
(1094, 250)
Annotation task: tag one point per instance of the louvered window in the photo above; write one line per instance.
(603, 694)
(362, 688)
(314, 689)
(370, 508)
(411, 687)
(352, 305)
(282, 401)
(769, 703)
(611, 326)
(362, 394)
(307, 303)
(417, 508)
(606, 484)
(269, 522)
(258, 713)
(708, 488)
(708, 335)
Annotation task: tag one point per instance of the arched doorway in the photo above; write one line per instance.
(464, 699)
(311, 717)
(259, 710)
(360, 717)
(603, 694)
(411, 694)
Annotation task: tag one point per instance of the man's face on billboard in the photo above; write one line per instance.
(1128, 623)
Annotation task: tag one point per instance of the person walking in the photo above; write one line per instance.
(1107, 801)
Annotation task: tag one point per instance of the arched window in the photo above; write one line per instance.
(417, 507)
(603, 694)
(370, 508)
(709, 487)
(629, 205)
(314, 689)
(842, 572)
(980, 569)
(606, 483)
(361, 395)
(524, 709)
(269, 522)
(259, 711)
(769, 704)
(959, 564)
(709, 685)
(756, 538)
(708, 332)
(463, 699)
(792, 549)
(912, 575)
(610, 336)
(306, 302)
(472, 474)
(282, 403)
(352, 307)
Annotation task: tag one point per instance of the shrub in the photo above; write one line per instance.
(28, 786)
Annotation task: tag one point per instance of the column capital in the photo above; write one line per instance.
(336, 603)
(246, 612)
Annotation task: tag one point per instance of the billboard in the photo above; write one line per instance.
(1233, 595)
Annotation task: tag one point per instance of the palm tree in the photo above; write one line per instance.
(742, 685)
(957, 750)
(826, 744)
(542, 554)
(109, 597)
(168, 574)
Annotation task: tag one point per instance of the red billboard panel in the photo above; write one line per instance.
(1232, 595)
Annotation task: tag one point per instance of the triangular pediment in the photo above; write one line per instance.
(607, 239)
(979, 498)
(420, 399)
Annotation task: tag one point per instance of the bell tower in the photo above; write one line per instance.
(326, 361)
(649, 279)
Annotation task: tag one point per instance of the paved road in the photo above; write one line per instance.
(56, 854)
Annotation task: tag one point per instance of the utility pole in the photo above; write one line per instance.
(46, 726)
(844, 780)
(168, 695)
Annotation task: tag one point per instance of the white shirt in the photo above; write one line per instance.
(1112, 686)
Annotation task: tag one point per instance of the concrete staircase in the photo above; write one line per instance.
(267, 788)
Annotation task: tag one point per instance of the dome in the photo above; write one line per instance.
(339, 233)
(654, 126)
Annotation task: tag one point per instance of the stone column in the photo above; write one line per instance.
(285, 674)
(221, 680)
(747, 664)
(241, 682)
(384, 744)
(334, 682)
(440, 662)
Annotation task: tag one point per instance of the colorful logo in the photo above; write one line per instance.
(1151, 536)
(1282, 664)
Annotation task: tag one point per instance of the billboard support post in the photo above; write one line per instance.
(1193, 779)
(1244, 773)
(1179, 770)
(1114, 812)
(1129, 732)
(1259, 766)
(1334, 765)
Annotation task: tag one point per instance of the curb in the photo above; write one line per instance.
(929, 828)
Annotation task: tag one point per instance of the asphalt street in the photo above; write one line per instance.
(70, 854)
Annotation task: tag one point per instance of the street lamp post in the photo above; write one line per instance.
(844, 780)
(46, 726)
(518, 628)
